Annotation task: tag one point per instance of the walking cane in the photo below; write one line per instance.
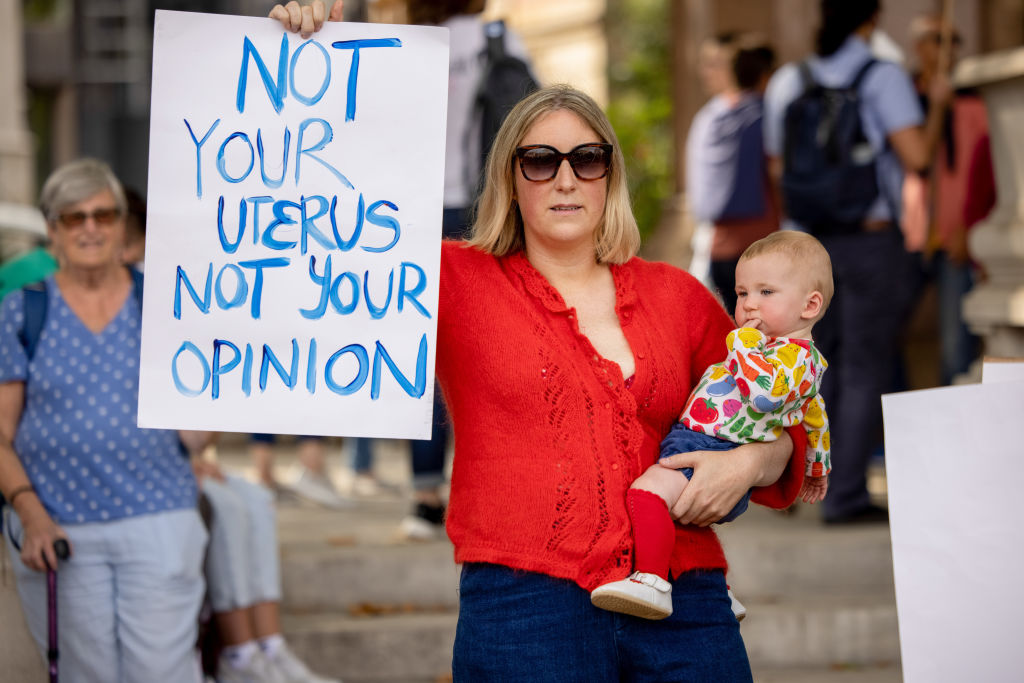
(60, 548)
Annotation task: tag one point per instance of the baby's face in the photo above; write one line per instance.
(772, 295)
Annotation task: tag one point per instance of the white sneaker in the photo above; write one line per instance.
(293, 670)
(318, 489)
(737, 607)
(259, 670)
(368, 486)
(414, 528)
(641, 594)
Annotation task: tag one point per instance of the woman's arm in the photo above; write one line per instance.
(720, 478)
(40, 531)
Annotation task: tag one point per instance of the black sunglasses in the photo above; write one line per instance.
(589, 161)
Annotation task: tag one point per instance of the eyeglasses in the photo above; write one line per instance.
(75, 219)
(589, 161)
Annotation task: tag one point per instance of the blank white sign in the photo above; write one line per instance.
(955, 466)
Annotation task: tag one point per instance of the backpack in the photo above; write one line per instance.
(829, 180)
(736, 145)
(505, 80)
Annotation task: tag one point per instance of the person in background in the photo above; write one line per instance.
(714, 73)
(243, 577)
(31, 266)
(736, 193)
(461, 181)
(312, 482)
(242, 567)
(74, 465)
(965, 124)
(860, 333)
(134, 253)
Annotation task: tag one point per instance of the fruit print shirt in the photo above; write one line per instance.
(763, 386)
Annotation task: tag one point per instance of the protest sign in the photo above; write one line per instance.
(293, 246)
(954, 473)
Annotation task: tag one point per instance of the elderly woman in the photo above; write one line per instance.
(564, 360)
(74, 465)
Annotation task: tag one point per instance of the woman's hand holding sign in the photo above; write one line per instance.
(306, 19)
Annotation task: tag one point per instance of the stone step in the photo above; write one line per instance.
(798, 643)
(423, 575)
(824, 631)
(838, 674)
(771, 556)
(411, 647)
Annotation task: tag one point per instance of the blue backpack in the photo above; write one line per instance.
(829, 179)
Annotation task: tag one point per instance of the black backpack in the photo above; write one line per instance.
(505, 80)
(829, 179)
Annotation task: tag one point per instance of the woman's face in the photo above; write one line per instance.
(89, 233)
(563, 212)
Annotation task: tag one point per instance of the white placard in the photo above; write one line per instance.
(954, 468)
(1002, 370)
(293, 246)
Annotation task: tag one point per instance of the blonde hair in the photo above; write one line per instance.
(498, 228)
(801, 249)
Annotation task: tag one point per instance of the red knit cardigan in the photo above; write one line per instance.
(548, 437)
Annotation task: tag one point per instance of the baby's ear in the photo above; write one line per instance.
(812, 306)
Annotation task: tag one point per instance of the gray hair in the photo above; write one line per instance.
(76, 181)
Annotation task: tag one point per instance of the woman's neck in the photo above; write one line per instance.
(568, 271)
(91, 279)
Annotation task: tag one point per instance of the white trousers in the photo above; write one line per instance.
(242, 565)
(128, 598)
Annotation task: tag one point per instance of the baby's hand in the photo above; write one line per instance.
(813, 489)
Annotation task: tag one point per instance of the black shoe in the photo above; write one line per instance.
(872, 514)
(426, 523)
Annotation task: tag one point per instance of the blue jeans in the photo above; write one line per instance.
(683, 440)
(959, 346)
(521, 626)
(428, 455)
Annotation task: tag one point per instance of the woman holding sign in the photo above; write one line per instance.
(74, 465)
(564, 360)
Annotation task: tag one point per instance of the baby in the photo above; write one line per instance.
(768, 381)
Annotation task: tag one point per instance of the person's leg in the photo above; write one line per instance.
(521, 627)
(860, 341)
(158, 587)
(228, 556)
(261, 450)
(314, 482)
(723, 275)
(362, 457)
(959, 346)
(700, 642)
(86, 635)
(427, 519)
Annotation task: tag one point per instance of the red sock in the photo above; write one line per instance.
(654, 532)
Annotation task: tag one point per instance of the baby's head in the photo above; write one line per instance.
(783, 284)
